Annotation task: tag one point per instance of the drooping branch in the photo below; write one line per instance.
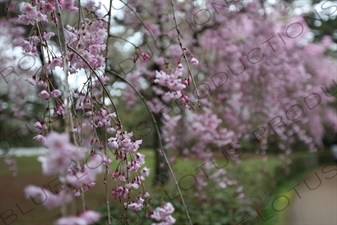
(161, 148)
(183, 52)
(100, 81)
(62, 43)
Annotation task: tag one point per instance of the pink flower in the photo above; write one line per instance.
(60, 155)
(57, 61)
(45, 197)
(47, 7)
(113, 144)
(187, 81)
(145, 56)
(40, 126)
(107, 160)
(132, 185)
(120, 192)
(44, 94)
(194, 61)
(27, 8)
(239, 189)
(31, 14)
(135, 164)
(88, 186)
(116, 174)
(104, 79)
(85, 177)
(241, 196)
(113, 115)
(111, 130)
(133, 206)
(168, 207)
(70, 220)
(42, 17)
(55, 93)
(145, 172)
(163, 214)
(26, 45)
(12, 165)
(59, 110)
(40, 138)
(42, 83)
(122, 178)
(171, 81)
(48, 35)
(69, 5)
(184, 99)
(90, 216)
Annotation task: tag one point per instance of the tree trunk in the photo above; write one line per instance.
(162, 175)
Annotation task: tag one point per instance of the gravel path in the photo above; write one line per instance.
(315, 202)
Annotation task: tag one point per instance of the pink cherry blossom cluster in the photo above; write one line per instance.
(12, 78)
(11, 162)
(172, 81)
(45, 197)
(172, 86)
(129, 174)
(40, 126)
(67, 161)
(47, 94)
(31, 14)
(101, 118)
(83, 175)
(163, 215)
(76, 175)
(89, 42)
(87, 217)
(135, 206)
(53, 94)
(61, 154)
(38, 11)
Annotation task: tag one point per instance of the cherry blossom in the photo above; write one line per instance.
(11, 162)
(44, 94)
(194, 61)
(172, 81)
(55, 93)
(48, 199)
(145, 56)
(31, 14)
(86, 218)
(60, 155)
(40, 126)
(57, 61)
(145, 172)
(90, 216)
(163, 214)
